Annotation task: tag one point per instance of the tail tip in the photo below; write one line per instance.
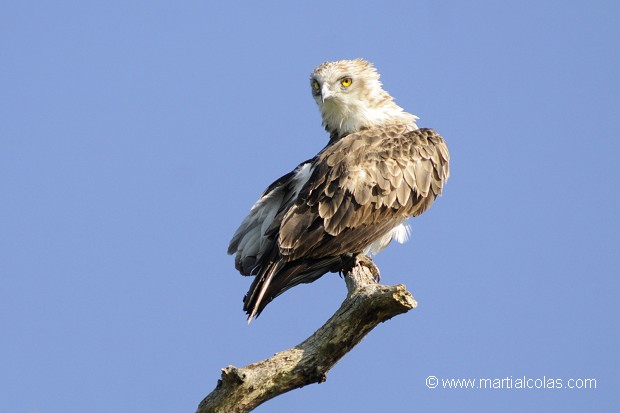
(251, 317)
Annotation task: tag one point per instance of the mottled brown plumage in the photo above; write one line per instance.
(377, 170)
(362, 186)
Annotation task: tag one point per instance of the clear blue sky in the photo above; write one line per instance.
(135, 136)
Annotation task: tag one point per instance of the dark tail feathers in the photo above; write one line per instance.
(276, 277)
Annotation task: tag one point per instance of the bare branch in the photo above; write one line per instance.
(367, 304)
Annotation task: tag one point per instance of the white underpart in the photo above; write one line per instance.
(265, 210)
(301, 177)
(355, 115)
(399, 233)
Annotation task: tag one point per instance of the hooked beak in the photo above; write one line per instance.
(325, 93)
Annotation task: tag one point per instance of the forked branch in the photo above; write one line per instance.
(367, 304)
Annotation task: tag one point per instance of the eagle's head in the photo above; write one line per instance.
(350, 97)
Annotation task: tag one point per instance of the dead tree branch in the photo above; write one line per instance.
(367, 304)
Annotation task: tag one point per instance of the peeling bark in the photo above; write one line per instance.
(367, 304)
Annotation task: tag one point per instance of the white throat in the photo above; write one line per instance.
(345, 119)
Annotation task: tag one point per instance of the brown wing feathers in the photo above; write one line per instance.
(361, 187)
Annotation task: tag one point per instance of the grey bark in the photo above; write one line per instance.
(367, 304)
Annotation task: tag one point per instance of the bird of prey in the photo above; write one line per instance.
(353, 197)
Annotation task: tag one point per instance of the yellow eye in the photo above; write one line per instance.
(315, 85)
(346, 82)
